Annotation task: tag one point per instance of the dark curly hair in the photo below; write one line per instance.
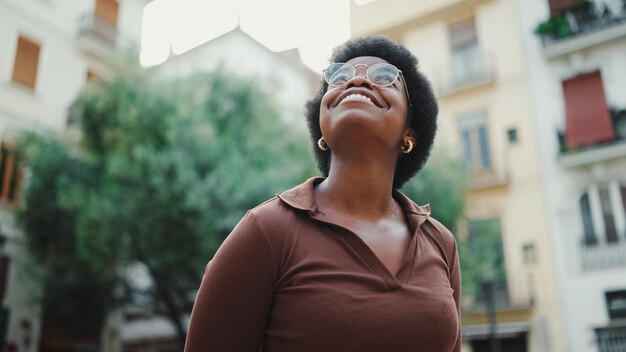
(423, 110)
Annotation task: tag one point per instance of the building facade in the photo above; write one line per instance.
(48, 50)
(576, 55)
(473, 54)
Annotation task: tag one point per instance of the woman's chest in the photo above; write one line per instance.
(338, 300)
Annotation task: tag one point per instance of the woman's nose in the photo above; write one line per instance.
(359, 80)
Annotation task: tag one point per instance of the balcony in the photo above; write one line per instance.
(611, 339)
(514, 294)
(582, 26)
(602, 256)
(102, 39)
(469, 68)
(598, 152)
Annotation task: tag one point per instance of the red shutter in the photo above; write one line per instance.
(588, 118)
(559, 6)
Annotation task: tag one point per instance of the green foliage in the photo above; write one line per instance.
(50, 229)
(163, 173)
(443, 184)
(482, 256)
(554, 27)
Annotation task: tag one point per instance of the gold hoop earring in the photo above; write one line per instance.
(407, 149)
(321, 143)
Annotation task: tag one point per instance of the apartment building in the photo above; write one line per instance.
(576, 55)
(48, 50)
(473, 53)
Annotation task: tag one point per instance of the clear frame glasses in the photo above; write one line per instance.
(381, 74)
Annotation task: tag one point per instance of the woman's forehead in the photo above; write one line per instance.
(366, 60)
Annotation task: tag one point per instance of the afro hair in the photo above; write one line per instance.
(422, 112)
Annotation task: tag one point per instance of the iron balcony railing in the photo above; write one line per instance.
(612, 339)
(515, 293)
(618, 121)
(469, 67)
(107, 34)
(601, 256)
(584, 18)
(98, 27)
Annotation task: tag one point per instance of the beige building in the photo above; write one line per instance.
(473, 54)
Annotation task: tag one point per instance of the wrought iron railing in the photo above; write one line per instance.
(601, 256)
(468, 67)
(611, 339)
(618, 121)
(106, 33)
(96, 26)
(511, 294)
(586, 17)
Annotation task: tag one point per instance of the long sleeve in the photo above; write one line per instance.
(236, 294)
(455, 283)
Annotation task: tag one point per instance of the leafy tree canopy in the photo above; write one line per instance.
(162, 173)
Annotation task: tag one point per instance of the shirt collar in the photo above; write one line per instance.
(302, 197)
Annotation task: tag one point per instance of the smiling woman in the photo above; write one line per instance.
(343, 262)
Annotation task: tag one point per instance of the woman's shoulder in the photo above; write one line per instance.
(285, 210)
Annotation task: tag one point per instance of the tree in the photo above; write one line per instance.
(443, 184)
(163, 172)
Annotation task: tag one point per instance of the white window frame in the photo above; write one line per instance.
(617, 208)
(472, 122)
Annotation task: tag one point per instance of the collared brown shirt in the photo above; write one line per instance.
(289, 280)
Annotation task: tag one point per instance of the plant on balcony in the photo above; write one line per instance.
(554, 27)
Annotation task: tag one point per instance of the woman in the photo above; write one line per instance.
(343, 262)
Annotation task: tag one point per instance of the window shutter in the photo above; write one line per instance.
(26, 62)
(588, 120)
(559, 6)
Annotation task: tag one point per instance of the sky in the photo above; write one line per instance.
(313, 26)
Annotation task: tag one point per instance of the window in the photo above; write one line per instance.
(528, 251)
(93, 75)
(10, 175)
(511, 134)
(466, 59)
(589, 237)
(588, 120)
(602, 212)
(616, 304)
(475, 142)
(26, 62)
(105, 19)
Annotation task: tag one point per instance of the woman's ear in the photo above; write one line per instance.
(410, 135)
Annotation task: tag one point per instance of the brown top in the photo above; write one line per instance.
(288, 280)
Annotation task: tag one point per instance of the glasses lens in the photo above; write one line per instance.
(382, 74)
(339, 74)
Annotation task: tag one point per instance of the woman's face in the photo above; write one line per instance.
(362, 114)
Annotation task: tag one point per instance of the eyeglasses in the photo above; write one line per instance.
(381, 75)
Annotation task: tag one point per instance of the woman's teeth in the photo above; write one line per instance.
(356, 96)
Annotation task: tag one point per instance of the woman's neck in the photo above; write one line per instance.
(360, 190)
